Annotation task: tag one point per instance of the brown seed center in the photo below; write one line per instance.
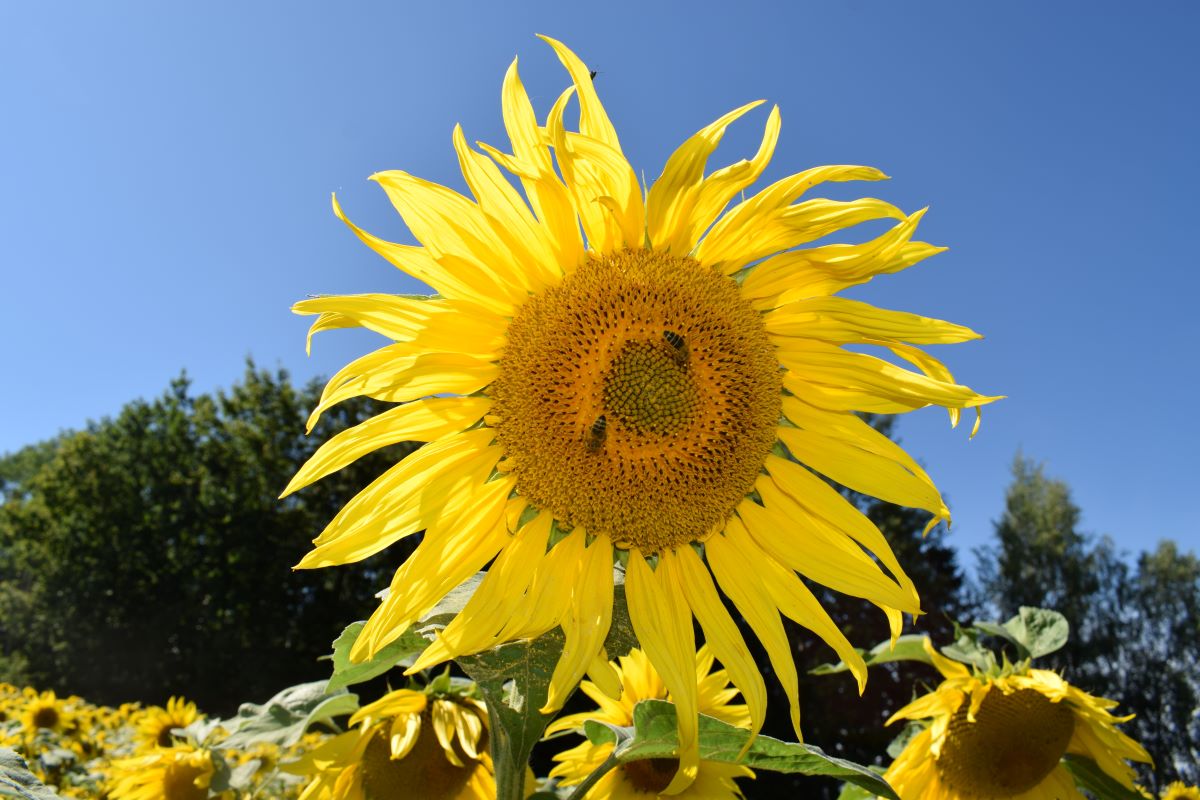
(1015, 742)
(651, 775)
(638, 398)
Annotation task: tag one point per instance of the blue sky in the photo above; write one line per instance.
(168, 168)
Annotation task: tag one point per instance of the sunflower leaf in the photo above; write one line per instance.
(1041, 631)
(909, 647)
(401, 652)
(1095, 781)
(17, 781)
(654, 736)
(284, 718)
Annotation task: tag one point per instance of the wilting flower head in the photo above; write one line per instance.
(601, 371)
(647, 778)
(407, 744)
(179, 772)
(1004, 736)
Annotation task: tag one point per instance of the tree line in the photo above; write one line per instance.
(148, 555)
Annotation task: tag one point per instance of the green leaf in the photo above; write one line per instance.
(909, 647)
(1040, 630)
(17, 781)
(401, 652)
(654, 736)
(968, 650)
(1095, 781)
(284, 718)
(1002, 632)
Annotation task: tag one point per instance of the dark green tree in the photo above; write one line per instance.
(149, 554)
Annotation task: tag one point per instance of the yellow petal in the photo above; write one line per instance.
(586, 623)
(663, 624)
(720, 633)
(454, 549)
(495, 600)
(842, 321)
(593, 119)
(419, 421)
(760, 217)
(673, 197)
(447, 279)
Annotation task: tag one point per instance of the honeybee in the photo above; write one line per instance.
(676, 347)
(596, 434)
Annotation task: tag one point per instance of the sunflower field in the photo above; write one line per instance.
(615, 511)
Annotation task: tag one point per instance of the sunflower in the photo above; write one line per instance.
(714, 779)
(45, 711)
(178, 772)
(662, 388)
(1004, 735)
(407, 745)
(154, 728)
(1178, 790)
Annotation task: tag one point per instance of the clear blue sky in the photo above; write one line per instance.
(167, 170)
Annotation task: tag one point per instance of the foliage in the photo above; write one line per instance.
(149, 554)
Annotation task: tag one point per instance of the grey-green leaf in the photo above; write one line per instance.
(909, 647)
(1097, 782)
(17, 781)
(654, 736)
(401, 652)
(284, 718)
(1040, 630)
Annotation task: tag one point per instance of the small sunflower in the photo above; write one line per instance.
(651, 377)
(156, 723)
(1178, 790)
(45, 711)
(178, 772)
(408, 745)
(1004, 736)
(649, 778)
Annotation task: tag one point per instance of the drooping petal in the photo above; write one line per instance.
(663, 624)
(586, 623)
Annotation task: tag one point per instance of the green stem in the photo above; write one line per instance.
(510, 774)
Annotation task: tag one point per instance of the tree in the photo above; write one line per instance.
(149, 554)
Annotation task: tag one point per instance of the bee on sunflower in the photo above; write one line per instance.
(609, 372)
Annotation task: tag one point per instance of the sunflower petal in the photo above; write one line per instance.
(663, 624)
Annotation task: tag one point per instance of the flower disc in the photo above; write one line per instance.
(638, 398)
(1015, 741)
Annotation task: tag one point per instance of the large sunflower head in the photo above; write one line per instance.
(648, 778)
(602, 371)
(156, 723)
(407, 744)
(1003, 734)
(178, 772)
